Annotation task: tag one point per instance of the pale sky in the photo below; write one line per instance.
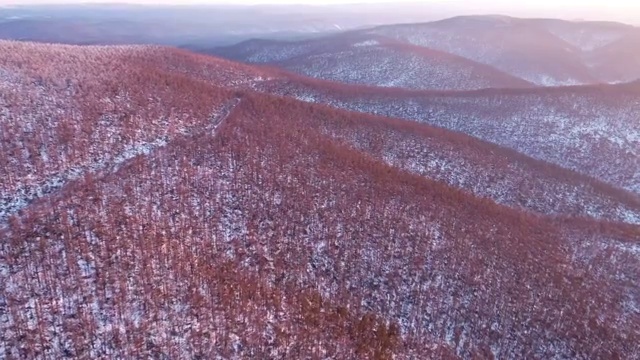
(531, 3)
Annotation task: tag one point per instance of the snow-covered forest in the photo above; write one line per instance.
(156, 203)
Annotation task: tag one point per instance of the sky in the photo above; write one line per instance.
(535, 3)
(187, 2)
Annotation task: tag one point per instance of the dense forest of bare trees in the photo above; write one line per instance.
(287, 232)
(72, 110)
(481, 168)
(592, 130)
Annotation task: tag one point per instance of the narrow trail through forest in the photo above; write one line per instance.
(23, 197)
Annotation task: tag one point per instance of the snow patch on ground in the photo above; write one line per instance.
(26, 193)
(306, 98)
(367, 43)
(549, 80)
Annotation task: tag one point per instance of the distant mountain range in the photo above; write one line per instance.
(195, 25)
(461, 53)
(217, 25)
(373, 60)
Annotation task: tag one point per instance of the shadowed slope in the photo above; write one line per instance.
(373, 60)
(593, 130)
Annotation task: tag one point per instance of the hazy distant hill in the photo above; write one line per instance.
(373, 60)
(545, 52)
(538, 51)
(195, 25)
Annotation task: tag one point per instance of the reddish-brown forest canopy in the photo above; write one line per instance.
(289, 230)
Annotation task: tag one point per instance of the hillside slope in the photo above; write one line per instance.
(481, 168)
(274, 200)
(107, 129)
(65, 111)
(373, 60)
(544, 52)
(593, 130)
(276, 235)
